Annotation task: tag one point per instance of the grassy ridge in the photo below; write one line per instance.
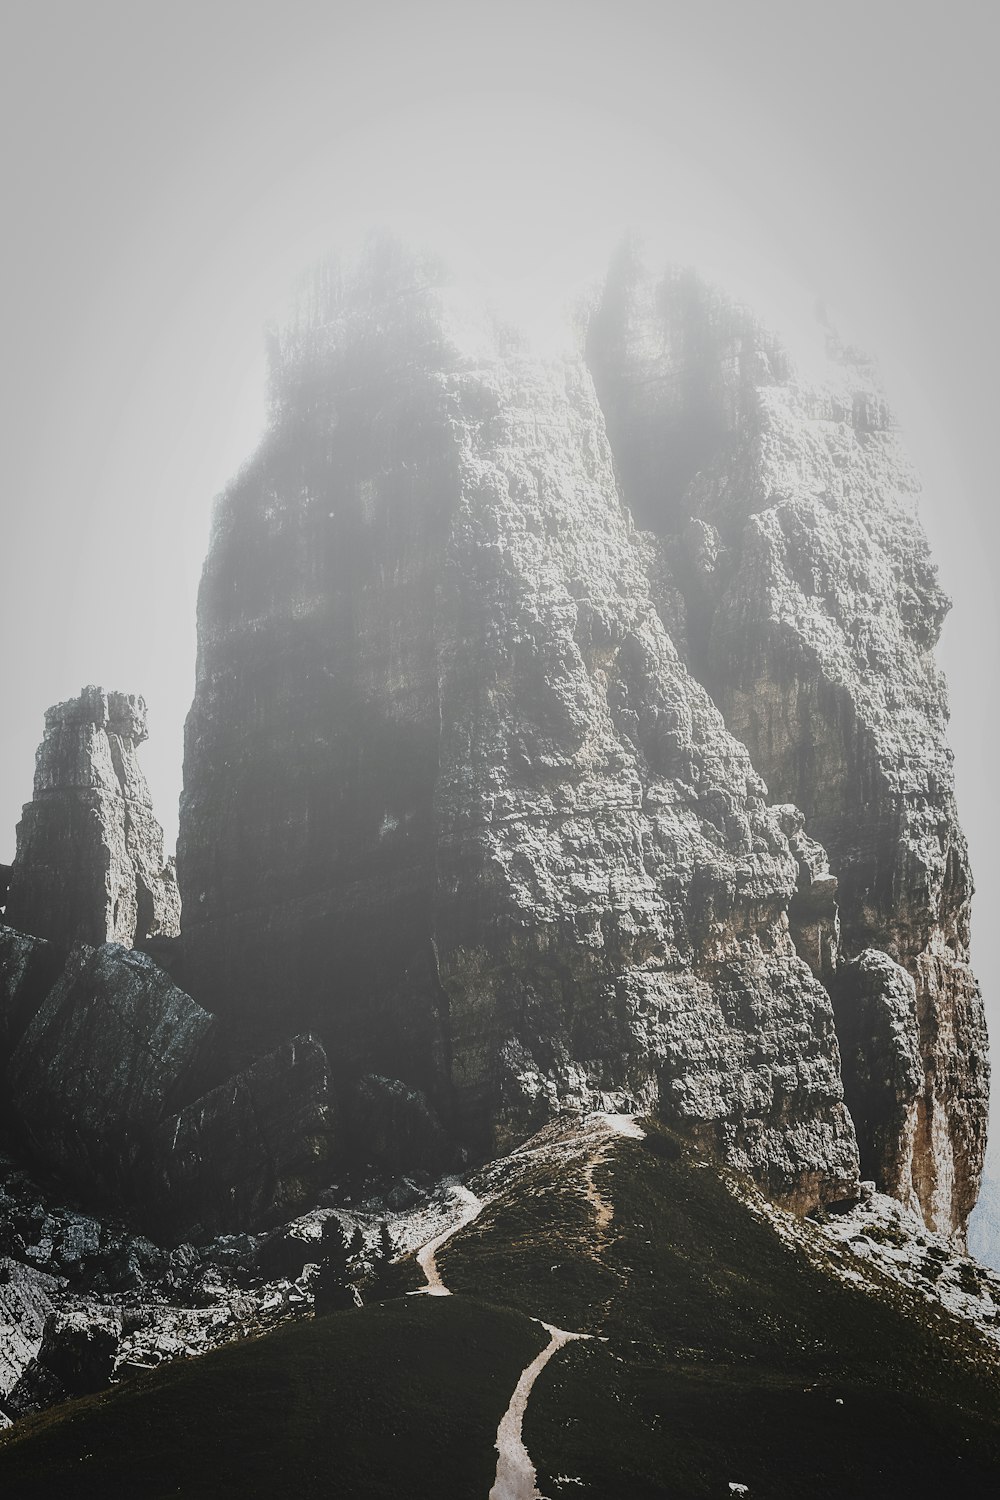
(724, 1355)
(729, 1354)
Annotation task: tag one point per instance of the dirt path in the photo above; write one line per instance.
(618, 1125)
(515, 1472)
(516, 1476)
(472, 1207)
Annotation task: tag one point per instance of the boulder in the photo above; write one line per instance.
(113, 1049)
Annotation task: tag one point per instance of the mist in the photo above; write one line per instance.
(169, 171)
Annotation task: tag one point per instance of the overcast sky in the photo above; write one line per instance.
(169, 167)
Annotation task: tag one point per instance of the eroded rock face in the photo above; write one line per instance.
(29, 967)
(876, 1009)
(89, 865)
(452, 797)
(111, 1084)
(784, 513)
(114, 1048)
(247, 1152)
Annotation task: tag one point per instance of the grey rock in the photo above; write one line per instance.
(29, 967)
(251, 1151)
(113, 1049)
(452, 798)
(786, 511)
(27, 1297)
(89, 865)
(110, 1084)
(79, 1349)
(393, 1127)
(875, 1004)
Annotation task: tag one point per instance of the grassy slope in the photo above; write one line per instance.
(723, 1356)
(727, 1352)
(398, 1399)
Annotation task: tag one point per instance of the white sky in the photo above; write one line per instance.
(168, 168)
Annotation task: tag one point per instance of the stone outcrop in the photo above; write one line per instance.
(784, 512)
(111, 1083)
(566, 736)
(876, 1008)
(452, 798)
(89, 865)
(29, 967)
(113, 1049)
(247, 1152)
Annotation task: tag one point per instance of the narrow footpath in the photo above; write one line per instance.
(515, 1476)
(472, 1207)
(515, 1472)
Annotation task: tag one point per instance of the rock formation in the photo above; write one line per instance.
(452, 797)
(89, 865)
(785, 513)
(107, 1070)
(112, 1050)
(110, 1073)
(566, 735)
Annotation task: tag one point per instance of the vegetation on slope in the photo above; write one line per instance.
(401, 1398)
(723, 1354)
(727, 1355)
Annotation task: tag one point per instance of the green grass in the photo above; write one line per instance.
(726, 1350)
(402, 1398)
(722, 1356)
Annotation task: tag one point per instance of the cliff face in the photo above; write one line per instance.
(566, 736)
(786, 518)
(109, 1073)
(532, 799)
(89, 865)
(452, 798)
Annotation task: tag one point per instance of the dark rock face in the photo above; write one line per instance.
(29, 968)
(876, 1008)
(394, 1130)
(110, 1084)
(249, 1151)
(111, 1051)
(452, 799)
(89, 865)
(812, 610)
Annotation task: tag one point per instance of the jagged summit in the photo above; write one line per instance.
(566, 735)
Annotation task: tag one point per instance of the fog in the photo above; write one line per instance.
(168, 169)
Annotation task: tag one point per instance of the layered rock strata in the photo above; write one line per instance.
(784, 511)
(452, 797)
(89, 864)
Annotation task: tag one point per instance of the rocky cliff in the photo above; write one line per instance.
(109, 1073)
(785, 512)
(566, 736)
(532, 798)
(89, 865)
